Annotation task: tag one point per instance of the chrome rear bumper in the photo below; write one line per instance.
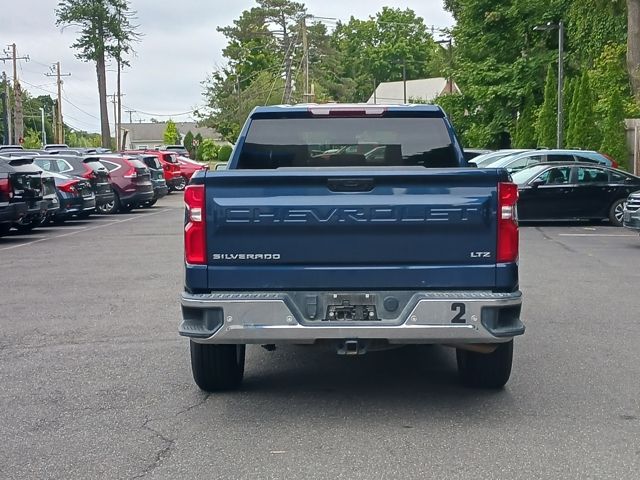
(428, 317)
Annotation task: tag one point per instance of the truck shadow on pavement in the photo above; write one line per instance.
(312, 381)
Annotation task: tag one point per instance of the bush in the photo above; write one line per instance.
(208, 150)
(224, 154)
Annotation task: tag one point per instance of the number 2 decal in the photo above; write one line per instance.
(461, 308)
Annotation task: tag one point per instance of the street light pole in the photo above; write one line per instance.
(44, 133)
(560, 83)
(560, 122)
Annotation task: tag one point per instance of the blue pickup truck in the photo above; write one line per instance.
(357, 227)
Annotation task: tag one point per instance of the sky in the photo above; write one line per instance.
(179, 48)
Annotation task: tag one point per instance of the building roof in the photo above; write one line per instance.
(426, 90)
(153, 133)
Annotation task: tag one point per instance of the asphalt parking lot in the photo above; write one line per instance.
(96, 383)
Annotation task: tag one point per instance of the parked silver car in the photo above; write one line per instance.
(631, 215)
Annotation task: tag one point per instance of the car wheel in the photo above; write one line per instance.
(217, 367)
(5, 228)
(26, 227)
(486, 370)
(111, 207)
(181, 185)
(616, 212)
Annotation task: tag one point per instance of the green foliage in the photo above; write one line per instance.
(106, 27)
(614, 141)
(377, 48)
(171, 135)
(198, 141)
(525, 136)
(224, 153)
(230, 110)
(567, 95)
(609, 76)
(592, 25)
(209, 150)
(585, 134)
(32, 139)
(188, 143)
(546, 125)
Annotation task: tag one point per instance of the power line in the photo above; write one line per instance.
(133, 110)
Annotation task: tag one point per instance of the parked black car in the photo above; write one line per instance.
(22, 184)
(75, 197)
(11, 210)
(89, 168)
(573, 191)
(160, 188)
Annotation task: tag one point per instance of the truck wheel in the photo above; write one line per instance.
(486, 370)
(217, 367)
(616, 212)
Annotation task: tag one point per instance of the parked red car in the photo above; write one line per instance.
(131, 182)
(170, 165)
(188, 167)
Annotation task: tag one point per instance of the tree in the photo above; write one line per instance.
(198, 141)
(103, 34)
(32, 139)
(171, 134)
(585, 133)
(614, 141)
(188, 143)
(546, 126)
(525, 136)
(208, 150)
(229, 111)
(379, 48)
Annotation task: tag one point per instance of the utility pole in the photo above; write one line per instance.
(130, 112)
(54, 121)
(115, 115)
(305, 52)
(59, 122)
(4, 96)
(449, 42)
(18, 115)
(288, 60)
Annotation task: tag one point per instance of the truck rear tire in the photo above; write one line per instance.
(217, 367)
(486, 370)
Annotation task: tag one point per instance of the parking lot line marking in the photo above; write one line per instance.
(594, 235)
(95, 227)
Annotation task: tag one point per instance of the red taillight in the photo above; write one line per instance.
(614, 164)
(88, 173)
(69, 187)
(195, 245)
(5, 187)
(508, 235)
(131, 173)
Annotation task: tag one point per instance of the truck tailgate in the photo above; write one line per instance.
(352, 229)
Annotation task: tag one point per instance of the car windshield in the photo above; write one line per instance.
(489, 158)
(335, 141)
(523, 176)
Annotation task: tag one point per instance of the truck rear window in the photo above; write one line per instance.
(350, 142)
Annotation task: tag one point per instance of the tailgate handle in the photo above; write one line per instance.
(350, 184)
